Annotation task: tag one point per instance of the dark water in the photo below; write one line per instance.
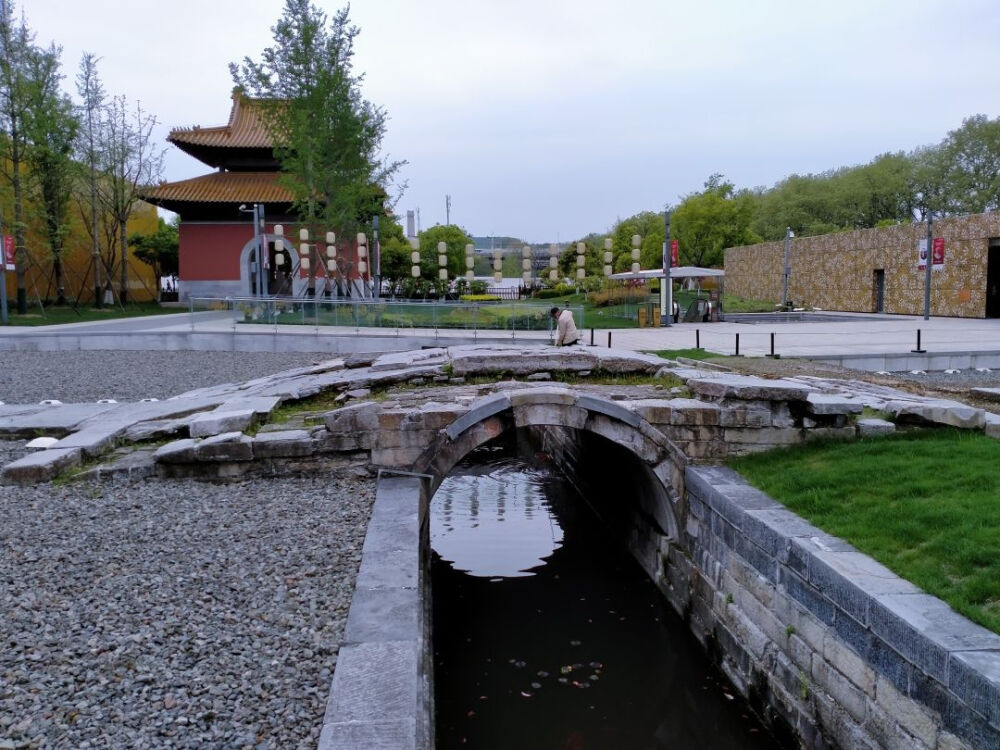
(548, 635)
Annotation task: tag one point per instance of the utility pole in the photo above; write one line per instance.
(928, 261)
(784, 286)
(376, 260)
(666, 288)
(447, 209)
(3, 279)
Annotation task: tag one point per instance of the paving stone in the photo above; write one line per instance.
(748, 387)
(93, 441)
(826, 403)
(219, 422)
(41, 466)
(874, 427)
(177, 451)
(284, 444)
(482, 360)
(61, 419)
(944, 412)
(229, 446)
(354, 418)
(261, 406)
(404, 360)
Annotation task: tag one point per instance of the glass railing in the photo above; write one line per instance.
(369, 315)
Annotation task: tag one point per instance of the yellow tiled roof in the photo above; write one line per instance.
(245, 129)
(221, 187)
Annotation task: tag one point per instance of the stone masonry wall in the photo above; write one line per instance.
(836, 271)
(809, 629)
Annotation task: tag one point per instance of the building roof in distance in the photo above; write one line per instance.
(220, 187)
(245, 129)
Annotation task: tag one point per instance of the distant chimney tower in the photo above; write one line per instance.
(410, 224)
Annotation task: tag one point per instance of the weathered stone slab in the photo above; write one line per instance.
(690, 411)
(284, 444)
(554, 394)
(623, 361)
(875, 427)
(611, 409)
(361, 417)
(827, 403)
(229, 446)
(944, 412)
(480, 409)
(974, 676)
(261, 406)
(480, 360)
(176, 452)
(62, 418)
(382, 615)
(748, 387)
(404, 360)
(93, 441)
(41, 466)
(154, 429)
(991, 426)
(219, 422)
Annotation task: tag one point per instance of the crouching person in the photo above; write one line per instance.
(566, 333)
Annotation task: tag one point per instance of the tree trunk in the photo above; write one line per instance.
(57, 267)
(21, 252)
(124, 274)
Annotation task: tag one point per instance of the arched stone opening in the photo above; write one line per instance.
(295, 286)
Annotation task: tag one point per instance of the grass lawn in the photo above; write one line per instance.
(689, 353)
(53, 315)
(925, 504)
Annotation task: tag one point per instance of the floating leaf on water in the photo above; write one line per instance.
(482, 697)
(470, 713)
(536, 685)
(542, 673)
(584, 685)
(565, 670)
(593, 678)
(525, 694)
(563, 680)
(728, 696)
(520, 664)
(596, 665)
(574, 643)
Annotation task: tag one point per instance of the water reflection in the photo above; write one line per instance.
(495, 522)
(583, 654)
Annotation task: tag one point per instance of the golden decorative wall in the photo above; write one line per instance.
(837, 271)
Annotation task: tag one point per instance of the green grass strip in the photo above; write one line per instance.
(926, 504)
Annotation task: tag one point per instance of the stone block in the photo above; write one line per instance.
(549, 395)
(436, 416)
(951, 413)
(992, 425)
(363, 417)
(220, 422)
(611, 409)
(768, 436)
(748, 387)
(845, 693)
(987, 394)
(284, 444)
(911, 716)
(815, 602)
(400, 734)
(42, 466)
(622, 361)
(631, 439)
(550, 414)
(690, 411)
(93, 441)
(396, 458)
(830, 433)
(849, 664)
(654, 410)
(325, 442)
(875, 427)
(738, 417)
(408, 359)
(875, 652)
(229, 446)
(826, 403)
(389, 614)
(974, 676)
(261, 406)
(375, 681)
(176, 452)
(479, 409)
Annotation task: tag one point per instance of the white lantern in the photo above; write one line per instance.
(331, 251)
(635, 254)
(331, 238)
(497, 277)
(553, 262)
(442, 260)
(581, 273)
(470, 262)
(580, 248)
(279, 230)
(636, 240)
(331, 266)
(470, 249)
(607, 257)
(362, 240)
(553, 275)
(526, 252)
(415, 272)
(442, 247)
(362, 267)
(607, 243)
(304, 264)
(526, 276)
(443, 274)
(635, 268)
(304, 249)
(469, 276)
(415, 258)
(607, 270)
(580, 261)
(497, 265)
(497, 256)
(415, 243)
(303, 234)
(526, 264)
(279, 259)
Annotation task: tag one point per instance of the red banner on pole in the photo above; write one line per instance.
(675, 247)
(9, 252)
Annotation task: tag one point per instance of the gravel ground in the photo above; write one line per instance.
(82, 376)
(174, 613)
(169, 614)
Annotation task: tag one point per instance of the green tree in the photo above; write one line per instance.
(91, 93)
(706, 223)
(20, 64)
(326, 135)
(52, 127)
(972, 172)
(455, 238)
(649, 226)
(159, 250)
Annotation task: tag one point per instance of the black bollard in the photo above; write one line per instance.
(918, 350)
(737, 345)
(609, 339)
(697, 338)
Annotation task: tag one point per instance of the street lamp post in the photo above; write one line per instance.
(666, 288)
(784, 286)
(258, 226)
(927, 266)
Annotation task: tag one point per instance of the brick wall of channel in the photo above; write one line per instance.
(848, 654)
(836, 271)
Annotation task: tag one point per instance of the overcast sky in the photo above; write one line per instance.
(547, 120)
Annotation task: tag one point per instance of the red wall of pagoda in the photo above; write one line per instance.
(212, 251)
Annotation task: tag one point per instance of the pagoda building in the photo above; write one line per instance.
(218, 249)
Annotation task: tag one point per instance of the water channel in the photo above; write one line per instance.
(549, 636)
